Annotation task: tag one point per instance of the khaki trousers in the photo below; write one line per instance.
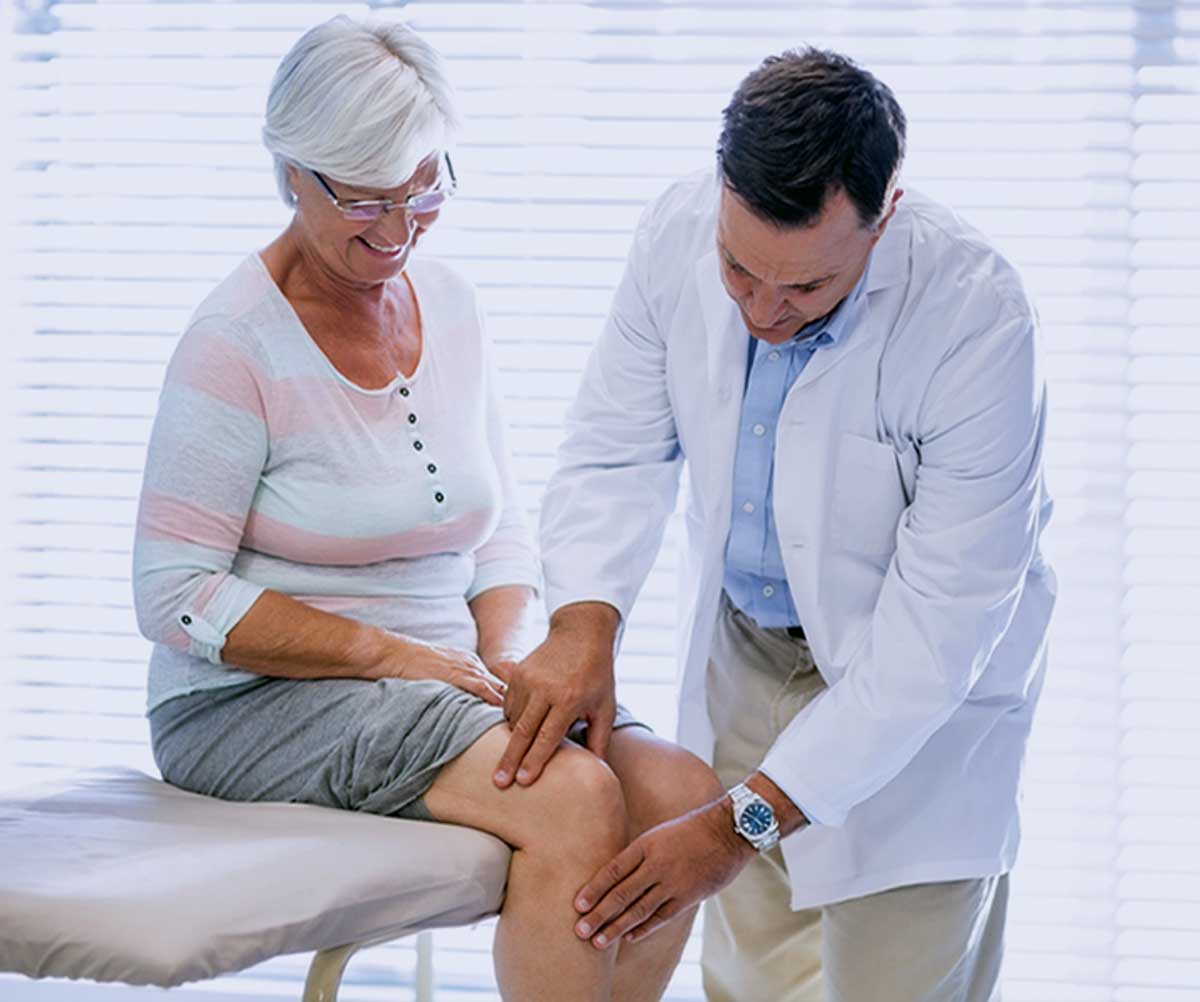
(938, 942)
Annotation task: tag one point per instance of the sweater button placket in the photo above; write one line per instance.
(438, 492)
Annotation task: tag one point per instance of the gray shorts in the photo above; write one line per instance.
(348, 743)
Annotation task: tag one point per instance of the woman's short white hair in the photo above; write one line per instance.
(361, 101)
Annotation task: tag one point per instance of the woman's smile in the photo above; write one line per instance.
(377, 250)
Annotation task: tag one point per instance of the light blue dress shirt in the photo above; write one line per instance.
(755, 579)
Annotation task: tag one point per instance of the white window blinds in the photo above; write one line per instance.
(1068, 131)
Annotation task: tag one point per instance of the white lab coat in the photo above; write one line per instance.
(909, 501)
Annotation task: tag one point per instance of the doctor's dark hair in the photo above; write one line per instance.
(804, 124)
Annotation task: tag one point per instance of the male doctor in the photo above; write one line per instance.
(851, 375)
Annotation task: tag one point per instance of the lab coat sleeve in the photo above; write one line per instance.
(963, 550)
(617, 474)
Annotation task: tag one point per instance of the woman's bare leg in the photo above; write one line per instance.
(660, 781)
(562, 829)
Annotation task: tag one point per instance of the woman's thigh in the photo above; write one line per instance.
(346, 743)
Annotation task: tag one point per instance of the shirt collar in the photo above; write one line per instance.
(830, 329)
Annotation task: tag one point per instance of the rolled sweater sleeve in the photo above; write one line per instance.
(508, 556)
(207, 450)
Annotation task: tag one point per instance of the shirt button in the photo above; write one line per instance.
(432, 468)
(774, 356)
(185, 620)
(439, 497)
(403, 391)
(418, 445)
(748, 507)
(759, 430)
(768, 590)
(412, 419)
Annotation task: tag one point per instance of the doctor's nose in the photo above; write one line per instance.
(762, 306)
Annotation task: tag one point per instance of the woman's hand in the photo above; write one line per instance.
(416, 659)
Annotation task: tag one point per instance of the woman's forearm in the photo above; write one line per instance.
(282, 637)
(507, 620)
(285, 638)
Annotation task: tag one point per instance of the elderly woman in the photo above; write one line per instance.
(331, 558)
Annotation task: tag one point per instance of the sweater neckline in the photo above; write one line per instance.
(297, 326)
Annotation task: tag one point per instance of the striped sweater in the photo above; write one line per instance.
(268, 469)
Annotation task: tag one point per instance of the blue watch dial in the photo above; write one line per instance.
(756, 818)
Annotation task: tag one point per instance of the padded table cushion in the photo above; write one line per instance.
(115, 876)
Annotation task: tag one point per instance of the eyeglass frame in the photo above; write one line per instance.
(387, 205)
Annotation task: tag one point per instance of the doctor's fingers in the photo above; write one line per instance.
(599, 729)
(548, 738)
(526, 718)
(629, 899)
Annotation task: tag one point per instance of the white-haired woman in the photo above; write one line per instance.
(330, 555)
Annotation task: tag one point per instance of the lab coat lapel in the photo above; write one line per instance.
(725, 346)
(825, 360)
(887, 267)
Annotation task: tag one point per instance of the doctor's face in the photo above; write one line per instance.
(782, 279)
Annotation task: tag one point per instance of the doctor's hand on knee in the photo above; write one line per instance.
(662, 874)
(569, 677)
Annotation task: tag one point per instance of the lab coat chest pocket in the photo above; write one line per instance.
(870, 492)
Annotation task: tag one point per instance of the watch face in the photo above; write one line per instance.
(756, 819)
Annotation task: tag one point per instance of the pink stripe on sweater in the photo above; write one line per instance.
(270, 536)
(216, 367)
(344, 603)
(173, 519)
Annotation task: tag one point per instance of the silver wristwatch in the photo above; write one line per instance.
(754, 819)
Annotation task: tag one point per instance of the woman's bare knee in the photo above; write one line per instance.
(660, 780)
(581, 800)
(575, 807)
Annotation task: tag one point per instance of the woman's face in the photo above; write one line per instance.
(362, 253)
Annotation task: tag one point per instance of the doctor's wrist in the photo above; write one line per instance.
(791, 819)
(595, 621)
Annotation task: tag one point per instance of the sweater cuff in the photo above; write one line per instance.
(208, 628)
(501, 573)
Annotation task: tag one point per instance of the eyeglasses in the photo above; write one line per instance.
(369, 209)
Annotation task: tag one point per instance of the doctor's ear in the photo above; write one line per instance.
(881, 225)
